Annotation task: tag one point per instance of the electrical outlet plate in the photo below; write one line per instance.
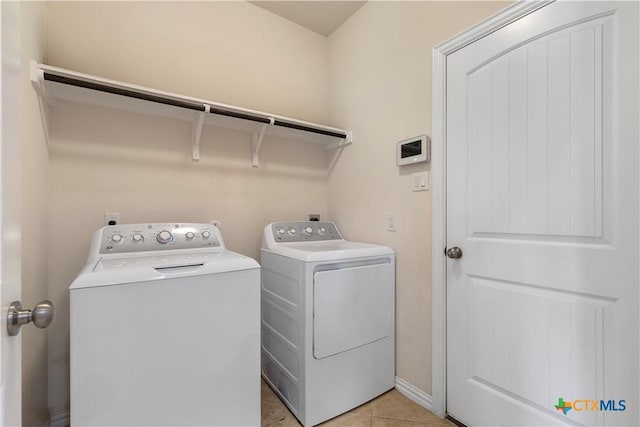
(390, 221)
(111, 216)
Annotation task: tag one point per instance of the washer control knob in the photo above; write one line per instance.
(137, 238)
(206, 234)
(308, 230)
(116, 238)
(321, 230)
(281, 231)
(292, 231)
(164, 237)
(190, 235)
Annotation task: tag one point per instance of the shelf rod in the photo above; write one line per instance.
(189, 105)
(297, 126)
(124, 92)
(153, 98)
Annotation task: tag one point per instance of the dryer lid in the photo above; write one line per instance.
(116, 270)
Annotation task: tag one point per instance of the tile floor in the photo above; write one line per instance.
(389, 410)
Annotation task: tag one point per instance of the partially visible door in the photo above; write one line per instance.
(10, 265)
(542, 200)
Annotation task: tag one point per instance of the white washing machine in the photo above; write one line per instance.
(165, 330)
(328, 339)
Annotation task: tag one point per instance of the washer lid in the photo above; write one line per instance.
(115, 270)
(331, 250)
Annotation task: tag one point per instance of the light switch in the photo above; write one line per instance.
(421, 181)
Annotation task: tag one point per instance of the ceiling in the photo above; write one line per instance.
(320, 16)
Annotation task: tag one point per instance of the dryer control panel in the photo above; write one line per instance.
(304, 231)
(123, 238)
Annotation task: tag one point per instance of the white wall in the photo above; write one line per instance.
(373, 76)
(232, 52)
(103, 160)
(34, 202)
(380, 87)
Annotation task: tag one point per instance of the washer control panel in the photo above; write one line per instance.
(156, 237)
(304, 231)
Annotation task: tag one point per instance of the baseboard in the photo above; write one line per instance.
(60, 419)
(413, 393)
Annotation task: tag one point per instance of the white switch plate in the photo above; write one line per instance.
(421, 181)
(390, 220)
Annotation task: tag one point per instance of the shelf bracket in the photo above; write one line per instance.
(45, 98)
(343, 142)
(196, 131)
(37, 81)
(256, 142)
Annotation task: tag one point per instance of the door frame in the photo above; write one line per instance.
(439, 194)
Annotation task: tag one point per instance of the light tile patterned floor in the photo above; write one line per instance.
(389, 410)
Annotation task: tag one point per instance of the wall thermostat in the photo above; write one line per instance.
(413, 150)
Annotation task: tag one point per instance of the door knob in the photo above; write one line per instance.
(454, 252)
(42, 315)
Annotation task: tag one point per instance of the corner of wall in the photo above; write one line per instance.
(34, 177)
(414, 394)
(380, 87)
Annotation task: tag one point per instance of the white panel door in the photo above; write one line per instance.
(542, 198)
(10, 262)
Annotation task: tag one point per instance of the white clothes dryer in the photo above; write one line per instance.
(165, 330)
(328, 335)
